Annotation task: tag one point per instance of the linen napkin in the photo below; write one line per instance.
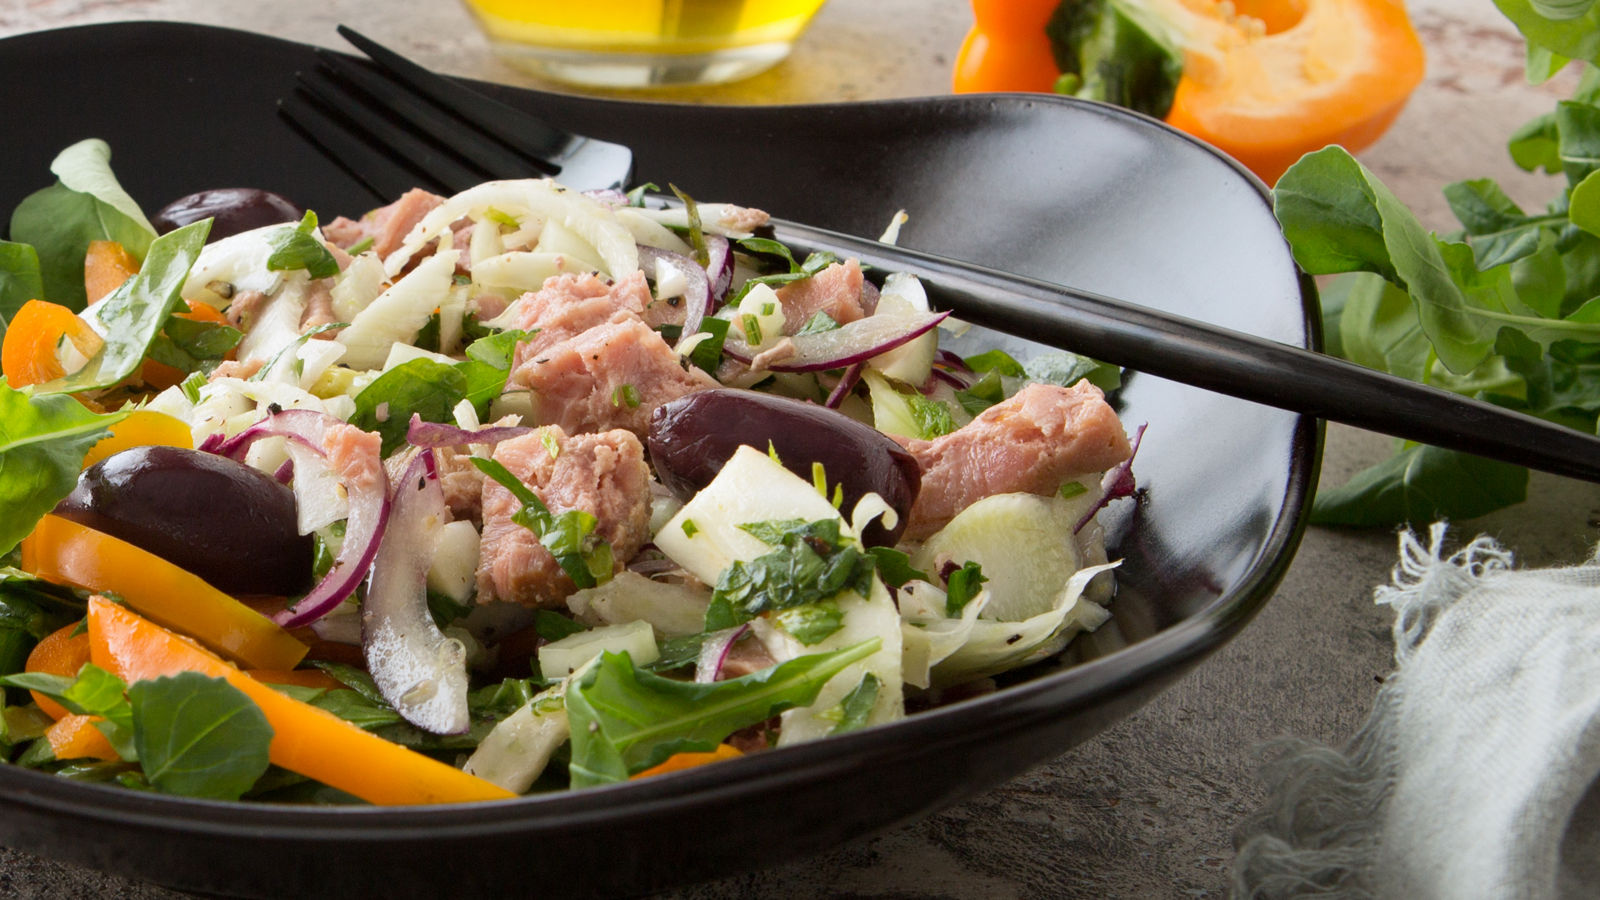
(1475, 776)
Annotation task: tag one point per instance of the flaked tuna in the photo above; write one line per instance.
(613, 375)
(836, 290)
(1032, 443)
(602, 474)
(387, 226)
(568, 305)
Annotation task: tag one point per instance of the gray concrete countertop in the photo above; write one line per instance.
(1147, 809)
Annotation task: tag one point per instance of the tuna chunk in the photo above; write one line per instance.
(835, 290)
(386, 225)
(1032, 443)
(611, 376)
(602, 474)
(568, 305)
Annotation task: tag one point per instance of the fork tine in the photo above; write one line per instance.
(494, 159)
(377, 170)
(347, 114)
(582, 162)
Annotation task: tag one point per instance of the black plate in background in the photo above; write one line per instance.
(1076, 193)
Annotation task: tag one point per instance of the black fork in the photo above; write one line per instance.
(397, 126)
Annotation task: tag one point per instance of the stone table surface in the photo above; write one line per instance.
(1147, 808)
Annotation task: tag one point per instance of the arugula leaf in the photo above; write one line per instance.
(1567, 28)
(625, 719)
(570, 537)
(1419, 486)
(1066, 369)
(130, 317)
(198, 736)
(43, 440)
(1338, 217)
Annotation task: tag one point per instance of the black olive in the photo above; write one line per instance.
(691, 437)
(222, 520)
(232, 209)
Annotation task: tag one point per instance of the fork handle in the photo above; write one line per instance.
(1222, 360)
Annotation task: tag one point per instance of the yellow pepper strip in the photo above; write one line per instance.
(141, 428)
(62, 551)
(305, 739)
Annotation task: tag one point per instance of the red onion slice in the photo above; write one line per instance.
(1118, 482)
(417, 668)
(714, 653)
(435, 435)
(846, 345)
(696, 291)
(847, 383)
(719, 268)
(364, 526)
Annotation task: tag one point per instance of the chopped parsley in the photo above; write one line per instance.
(810, 562)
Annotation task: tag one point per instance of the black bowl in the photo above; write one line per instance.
(1077, 193)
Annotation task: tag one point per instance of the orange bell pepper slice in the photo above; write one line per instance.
(35, 338)
(61, 652)
(106, 265)
(677, 762)
(1265, 81)
(65, 552)
(1338, 74)
(75, 736)
(305, 739)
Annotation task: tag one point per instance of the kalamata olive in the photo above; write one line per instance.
(222, 520)
(691, 437)
(233, 209)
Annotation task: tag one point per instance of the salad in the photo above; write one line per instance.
(523, 489)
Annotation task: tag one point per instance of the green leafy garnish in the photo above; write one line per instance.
(298, 248)
(43, 440)
(810, 562)
(625, 720)
(198, 736)
(961, 586)
(852, 712)
(811, 623)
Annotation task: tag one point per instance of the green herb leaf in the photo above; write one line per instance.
(43, 440)
(1422, 485)
(961, 586)
(299, 248)
(625, 719)
(568, 536)
(422, 386)
(810, 562)
(1114, 56)
(199, 736)
(854, 710)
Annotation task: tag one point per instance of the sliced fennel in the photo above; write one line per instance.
(1023, 542)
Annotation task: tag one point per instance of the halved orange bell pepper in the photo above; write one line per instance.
(35, 339)
(1265, 81)
(65, 552)
(305, 739)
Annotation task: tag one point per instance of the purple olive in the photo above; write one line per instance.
(232, 210)
(222, 520)
(691, 438)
